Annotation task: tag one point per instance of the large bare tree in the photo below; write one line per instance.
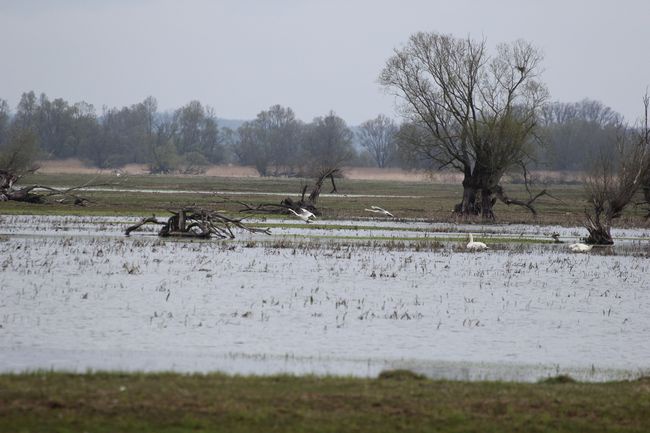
(616, 175)
(476, 112)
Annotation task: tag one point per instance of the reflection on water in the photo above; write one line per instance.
(262, 364)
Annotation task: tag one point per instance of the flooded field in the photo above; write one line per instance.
(364, 296)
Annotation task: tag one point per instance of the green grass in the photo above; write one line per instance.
(395, 402)
(432, 201)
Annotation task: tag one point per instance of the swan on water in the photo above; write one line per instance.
(580, 247)
(477, 246)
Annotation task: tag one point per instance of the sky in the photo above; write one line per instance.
(241, 57)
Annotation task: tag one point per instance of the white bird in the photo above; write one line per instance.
(580, 248)
(476, 246)
(377, 209)
(304, 215)
(307, 213)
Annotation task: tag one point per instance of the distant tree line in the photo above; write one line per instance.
(276, 143)
(186, 139)
(572, 131)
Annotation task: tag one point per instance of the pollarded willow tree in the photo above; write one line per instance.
(475, 112)
(617, 173)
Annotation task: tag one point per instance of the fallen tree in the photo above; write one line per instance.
(308, 202)
(197, 223)
(35, 193)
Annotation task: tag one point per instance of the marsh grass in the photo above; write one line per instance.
(396, 401)
(424, 200)
(561, 379)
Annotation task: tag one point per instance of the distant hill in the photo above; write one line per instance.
(230, 123)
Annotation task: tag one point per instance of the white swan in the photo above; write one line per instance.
(308, 214)
(580, 247)
(304, 215)
(377, 209)
(476, 246)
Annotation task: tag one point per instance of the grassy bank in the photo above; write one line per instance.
(102, 402)
(425, 200)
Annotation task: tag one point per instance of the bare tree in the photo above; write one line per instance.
(615, 177)
(479, 112)
(308, 202)
(196, 131)
(271, 142)
(327, 144)
(377, 136)
(587, 110)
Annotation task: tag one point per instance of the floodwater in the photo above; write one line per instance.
(77, 295)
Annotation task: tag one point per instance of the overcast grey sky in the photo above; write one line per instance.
(240, 57)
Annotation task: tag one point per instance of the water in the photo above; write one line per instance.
(76, 295)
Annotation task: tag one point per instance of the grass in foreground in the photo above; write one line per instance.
(398, 401)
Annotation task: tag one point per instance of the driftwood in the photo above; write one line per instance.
(40, 193)
(197, 223)
(305, 202)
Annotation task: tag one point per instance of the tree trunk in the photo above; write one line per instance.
(599, 236)
(181, 220)
(23, 194)
(487, 203)
(468, 206)
(599, 231)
